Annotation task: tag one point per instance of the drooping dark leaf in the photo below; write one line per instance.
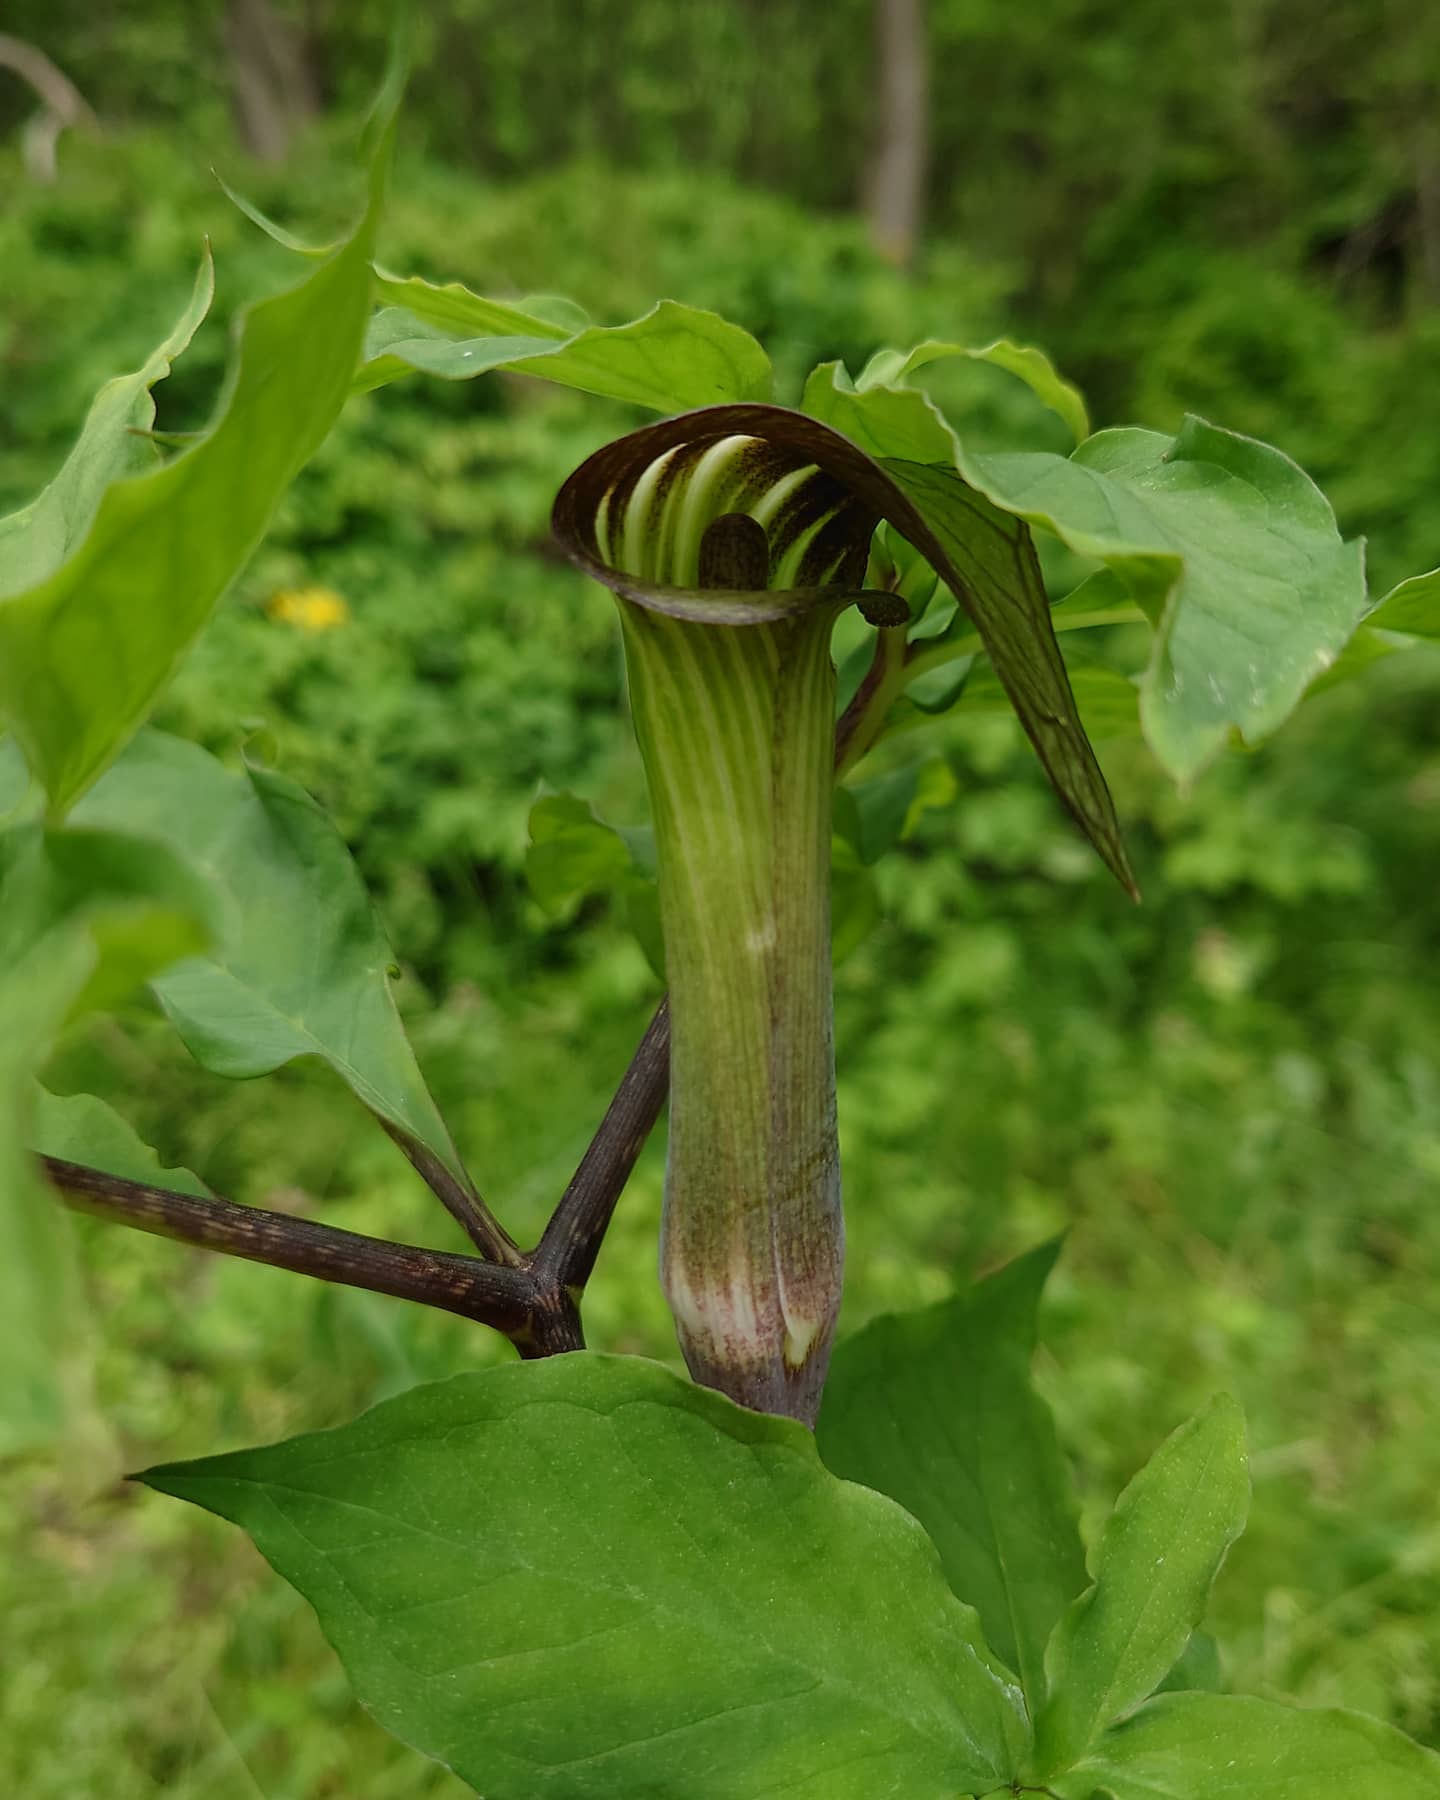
(989, 559)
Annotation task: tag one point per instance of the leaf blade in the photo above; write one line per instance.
(1181, 1513)
(1236, 1748)
(1228, 547)
(1411, 606)
(82, 1128)
(990, 558)
(35, 540)
(889, 368)
(84, 917)
(670, 358)
(663, 1586)
(85, 651)
(302, 967)
(936, 1409)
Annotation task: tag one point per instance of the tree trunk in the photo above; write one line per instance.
(271, 87)
(895, 184)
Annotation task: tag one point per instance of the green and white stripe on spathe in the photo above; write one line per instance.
(650, 523)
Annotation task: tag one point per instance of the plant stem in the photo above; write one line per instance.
(507, 1299)
(884, 682)
(565, 1256)
(459, 1199)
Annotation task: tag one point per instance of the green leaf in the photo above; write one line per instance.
(997, 576)
(889, 368)
(1108, 702)
(884, 421)
(1413, 607)
(44, 1352)
(1153, 1571)
(671, 358)
(1184, 1746)
(936, 1409)
(302, 967)
(1198, 1667)
(85, 651)
(136, 906)
(573, 855)
(84, 916)
(1230, 550)
(874, 816)
(81, 1128)
(1101, 599)
(584, 1577)
(1361, 654)
(855, 908)
(113, 443)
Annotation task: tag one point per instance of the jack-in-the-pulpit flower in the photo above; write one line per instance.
(731, 552)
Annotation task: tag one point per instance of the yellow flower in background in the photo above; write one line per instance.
(308, 608)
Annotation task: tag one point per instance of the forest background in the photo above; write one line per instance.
(1230, 1096)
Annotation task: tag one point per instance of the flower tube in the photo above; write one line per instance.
(731, 557)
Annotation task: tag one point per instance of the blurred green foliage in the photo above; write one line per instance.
(1231, 1094)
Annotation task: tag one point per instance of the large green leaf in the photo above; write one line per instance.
(585, 1577)
(890, 368)
(302, 968)
(112, 443)
(85, 650)
(1229, 548)
(1412, 607)
(1231, 551)
(1153, 1570)
(1209, 1747)
(84, 917)
(671, 358)
(936, 1409)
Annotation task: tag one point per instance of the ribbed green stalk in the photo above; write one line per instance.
(735, 724)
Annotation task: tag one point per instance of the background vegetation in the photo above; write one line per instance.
(1230, 1096)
